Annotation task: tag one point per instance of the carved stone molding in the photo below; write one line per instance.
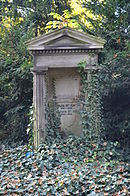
(40, 70)
(60, 51)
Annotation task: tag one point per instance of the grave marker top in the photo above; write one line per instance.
(64, 42)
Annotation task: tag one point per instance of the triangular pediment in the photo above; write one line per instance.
(63, 38)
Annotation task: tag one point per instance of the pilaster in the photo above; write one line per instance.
(39, 100)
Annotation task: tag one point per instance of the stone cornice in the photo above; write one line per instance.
(43, 70)
(61, 51)
(39, 70)
(68, 32)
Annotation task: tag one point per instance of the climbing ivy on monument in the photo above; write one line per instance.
(91, 114)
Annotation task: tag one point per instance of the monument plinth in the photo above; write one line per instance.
(56, 57)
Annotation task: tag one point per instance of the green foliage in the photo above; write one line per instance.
(64, 20)
(115, 72)
(38, 12)
(91, 115)
(53, 132)
(116, 96)
(15, 82)
(68, 167)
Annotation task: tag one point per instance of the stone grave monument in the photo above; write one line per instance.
(56, 57)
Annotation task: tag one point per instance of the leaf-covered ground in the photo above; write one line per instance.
(70, 167)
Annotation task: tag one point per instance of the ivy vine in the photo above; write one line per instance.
(91, 110)
(53, 131)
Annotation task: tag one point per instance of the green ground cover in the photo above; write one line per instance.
(69, 167)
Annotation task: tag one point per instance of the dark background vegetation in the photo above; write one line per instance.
(22, 20)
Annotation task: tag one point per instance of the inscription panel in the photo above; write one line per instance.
(67, 108)
(67, 84)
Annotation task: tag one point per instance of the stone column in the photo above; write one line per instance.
(39, 100)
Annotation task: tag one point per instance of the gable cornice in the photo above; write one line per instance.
(36, 43)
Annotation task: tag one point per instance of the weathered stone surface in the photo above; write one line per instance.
(57, 54)
(67, 87)
(39, 99)
(68, 39)
(65, 59)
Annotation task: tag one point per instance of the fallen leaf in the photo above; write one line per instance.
(29, 176)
